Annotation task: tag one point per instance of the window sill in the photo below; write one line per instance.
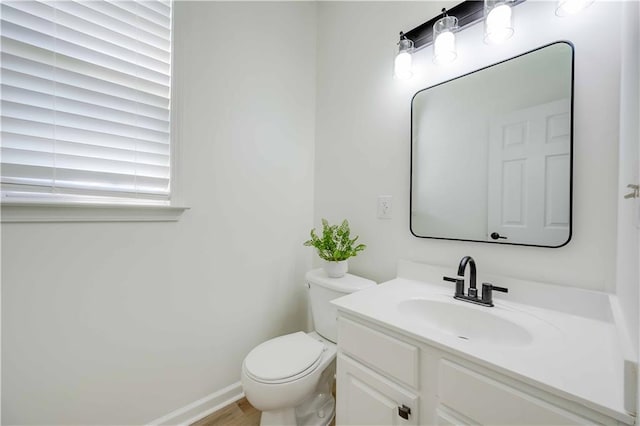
(16, 212)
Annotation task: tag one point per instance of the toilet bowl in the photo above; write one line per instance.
(290, 378)
(280, 375)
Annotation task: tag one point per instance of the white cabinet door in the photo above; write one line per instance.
(367, 398)
(490, 402)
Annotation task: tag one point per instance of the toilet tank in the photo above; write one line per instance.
(322, 290)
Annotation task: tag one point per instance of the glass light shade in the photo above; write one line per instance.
(497, 23)
(571, 7)
(402, 66)
(444, 40)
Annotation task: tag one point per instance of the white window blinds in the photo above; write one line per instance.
(86, 99)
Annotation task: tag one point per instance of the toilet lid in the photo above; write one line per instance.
(283, 357)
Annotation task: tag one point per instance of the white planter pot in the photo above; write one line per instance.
(336, 269)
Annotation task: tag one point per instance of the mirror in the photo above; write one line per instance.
(491, 152)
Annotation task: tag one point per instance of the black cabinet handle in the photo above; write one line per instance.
(404, 412)
(495, 236)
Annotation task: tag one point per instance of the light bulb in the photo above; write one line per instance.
(572, 7)
(444, 39)
(402, 66)
(444, 48)
(498, 26)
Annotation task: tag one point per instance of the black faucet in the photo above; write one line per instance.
(473, 291)
(468, 260)
(472, 294)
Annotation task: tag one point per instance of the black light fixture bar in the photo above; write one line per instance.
(468, 12)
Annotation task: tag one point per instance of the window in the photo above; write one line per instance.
(86, 101)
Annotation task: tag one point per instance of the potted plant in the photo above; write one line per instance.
(335, 246)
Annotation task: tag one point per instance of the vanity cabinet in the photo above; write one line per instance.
(383, 377)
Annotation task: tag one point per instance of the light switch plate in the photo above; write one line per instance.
(385, 206)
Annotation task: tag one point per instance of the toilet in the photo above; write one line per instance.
(290, 378)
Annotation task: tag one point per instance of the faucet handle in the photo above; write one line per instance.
(459, 284)
(488, 289)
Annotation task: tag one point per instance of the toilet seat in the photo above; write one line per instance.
(284, 359)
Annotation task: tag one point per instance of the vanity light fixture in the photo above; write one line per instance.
(571, 7)
(402, 66)
(444, 45)
(443, 28)
(498, 26)
(466, 13)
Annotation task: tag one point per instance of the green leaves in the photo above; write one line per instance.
(335, 243)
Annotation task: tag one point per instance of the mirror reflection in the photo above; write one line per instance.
(492, 153)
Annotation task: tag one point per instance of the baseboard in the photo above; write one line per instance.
(201, 408)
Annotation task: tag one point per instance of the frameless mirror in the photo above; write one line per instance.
(491, 152)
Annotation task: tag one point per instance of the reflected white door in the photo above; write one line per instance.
(530, 174)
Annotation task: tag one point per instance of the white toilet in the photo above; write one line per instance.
(290, 378)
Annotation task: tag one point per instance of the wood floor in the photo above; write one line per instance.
(240, 413)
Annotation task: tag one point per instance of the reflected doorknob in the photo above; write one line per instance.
(495, 236)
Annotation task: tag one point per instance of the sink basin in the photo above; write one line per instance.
(473, 323)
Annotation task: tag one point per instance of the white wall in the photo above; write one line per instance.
(363, 135)
(121, 323)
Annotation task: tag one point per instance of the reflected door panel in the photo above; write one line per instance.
(529, 174)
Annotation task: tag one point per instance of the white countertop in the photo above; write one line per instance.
(576, 356)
